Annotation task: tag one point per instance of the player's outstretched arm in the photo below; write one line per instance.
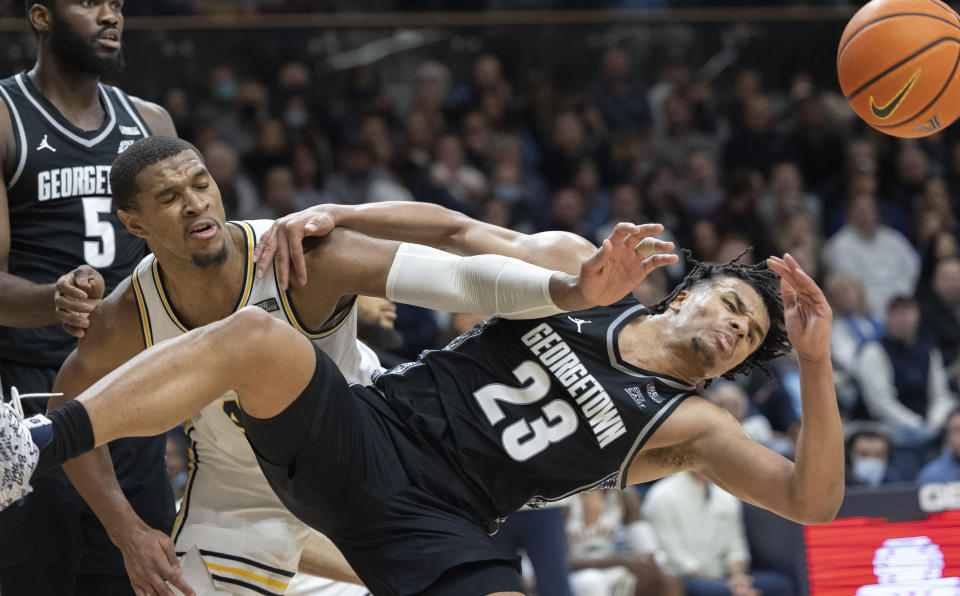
(421, 223)
(148, 554)
(346, 263)
(811, 489)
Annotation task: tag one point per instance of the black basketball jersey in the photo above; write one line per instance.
(58, 195)
(533, 410)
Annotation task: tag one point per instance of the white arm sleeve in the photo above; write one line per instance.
(483, 284)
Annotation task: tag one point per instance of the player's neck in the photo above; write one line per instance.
(76, 95)
(645, 343)
(202, 295)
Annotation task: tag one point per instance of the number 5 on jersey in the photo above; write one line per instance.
(522, 439)
(101, 250)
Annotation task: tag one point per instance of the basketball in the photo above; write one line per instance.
(898, 66)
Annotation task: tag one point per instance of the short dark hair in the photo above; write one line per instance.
(764, 281)
(139, 156)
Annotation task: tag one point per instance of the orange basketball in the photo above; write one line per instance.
(898, 63)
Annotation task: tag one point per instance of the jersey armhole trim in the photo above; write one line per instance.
(20, 136)
(145, 325)
(652, 425)
(336, 320)
(181, 520)
(124, 101)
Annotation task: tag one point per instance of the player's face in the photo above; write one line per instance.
(720, 324)
(87, 34)
(180, 211)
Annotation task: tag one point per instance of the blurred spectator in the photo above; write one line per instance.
(461, 185)
(239, 195)
(700, 528)
(941, 310)
(625, 205)
(785, 197)
(375, 328)
(612, 550)
(946, 468)
(700, 190)
(733, 399)
(596, 199)
(904, 384)
(540, 534)
(567, 212)
(738, 216)
(272, 149)
(416, 147)
(359, 180)
(868, 458)
(279, 191)
(618, 95)
(853, 327)
(877, 255)
(308, 177)
(678, 138)
(568, 147)
(753, 145)
(430, 92)
(813, 143)
(933, 214)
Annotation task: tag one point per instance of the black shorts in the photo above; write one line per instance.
(333, 464)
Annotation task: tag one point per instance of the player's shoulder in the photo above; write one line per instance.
(155, 115)
(115, 332)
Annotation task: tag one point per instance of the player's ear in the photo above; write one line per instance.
(40, 17)
(678, 301)
(133, 223)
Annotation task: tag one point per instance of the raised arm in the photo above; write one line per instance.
(421, 223)
(347, 263)
(810, 490)
(148, 554)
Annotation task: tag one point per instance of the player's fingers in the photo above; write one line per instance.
(264, 252)
(68, 317)
(67, 286)
(650, 245)
(82, 305)
(658, 260)
(599, 259)
(75, 331)
(295, 246)
(802, 282)
(282, 260)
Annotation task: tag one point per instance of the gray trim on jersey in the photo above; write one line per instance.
(624, 369)
(111, 115)
(644, 434)
(23, 138)
(130, 110)
(580, 489)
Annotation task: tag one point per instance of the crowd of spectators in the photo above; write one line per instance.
(734, 167)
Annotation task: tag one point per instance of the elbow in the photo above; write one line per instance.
(823, 510)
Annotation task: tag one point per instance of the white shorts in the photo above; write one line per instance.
(197, 577)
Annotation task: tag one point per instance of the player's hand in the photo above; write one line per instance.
(151, 562)
(626, 257)
(284, 240)
(77, 294)
(805, 310)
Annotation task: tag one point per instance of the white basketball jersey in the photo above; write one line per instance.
(249, 542)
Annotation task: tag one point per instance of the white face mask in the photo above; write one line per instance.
(869, 470)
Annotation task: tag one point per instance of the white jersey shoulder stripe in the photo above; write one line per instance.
(145, 326)
(111, 116)
(18, 124)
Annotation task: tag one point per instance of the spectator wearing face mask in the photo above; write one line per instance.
(946, 467)
(868, 458)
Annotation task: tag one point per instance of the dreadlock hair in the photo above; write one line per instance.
(764, 282)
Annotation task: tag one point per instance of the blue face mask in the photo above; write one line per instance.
(869, 470)
(225, 90)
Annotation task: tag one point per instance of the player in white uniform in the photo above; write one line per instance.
(232, 529)
(230, 518)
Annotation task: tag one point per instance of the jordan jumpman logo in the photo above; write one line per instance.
(577, 322)
(45, 145)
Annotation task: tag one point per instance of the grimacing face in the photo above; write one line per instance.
(720, 323)
(179, 211)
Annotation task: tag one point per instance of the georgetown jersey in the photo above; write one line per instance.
(537, 409)
(58, 196)
(249, 542)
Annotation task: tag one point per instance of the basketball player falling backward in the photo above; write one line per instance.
(232, 530)
(60, 129)
(434, 452)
